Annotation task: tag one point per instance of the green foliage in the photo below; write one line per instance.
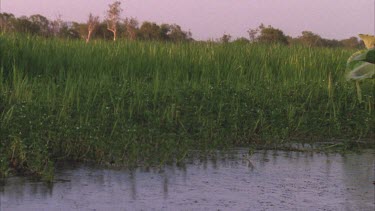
(225, 38)
(366, 56)
(24, 25)
(6, 22)
(128, 29)
(163, 32)
(271, 35)
(361, 65)
(310, 39)
(352, 42)
(151, 31)
(150, 102)
(241, 40)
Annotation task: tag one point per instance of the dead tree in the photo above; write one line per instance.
(92, 23)
(113, 17)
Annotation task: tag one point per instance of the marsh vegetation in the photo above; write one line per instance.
(150, 102)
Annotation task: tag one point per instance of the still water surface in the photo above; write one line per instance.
(272, 180)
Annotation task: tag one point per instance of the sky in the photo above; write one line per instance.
(210, 19)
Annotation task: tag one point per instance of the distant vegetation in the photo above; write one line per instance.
(113, 27)
(270, 34)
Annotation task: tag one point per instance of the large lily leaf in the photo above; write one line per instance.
(364, 55)
(361, 65)
(363, 71)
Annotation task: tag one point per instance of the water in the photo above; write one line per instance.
(272, 180)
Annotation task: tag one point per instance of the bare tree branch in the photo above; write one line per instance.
(113, 17)
(92, 23)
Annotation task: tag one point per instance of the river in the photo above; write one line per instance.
(226, 180)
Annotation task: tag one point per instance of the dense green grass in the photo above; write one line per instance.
(150, 102)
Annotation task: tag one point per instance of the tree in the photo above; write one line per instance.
(81, 29)
(113, 17)
(271, 35)
(68, 31)
(253, 34)
(24, 25)
(176, 34)
(131, 28)
(165, 30)
(150, 31)
(310, 39)
(331, 43)
(6, 20)
(102, 32)
(92, 23)
(225, 38)
(352, 42)
(56, 26)
(42, 23)
(241, 40)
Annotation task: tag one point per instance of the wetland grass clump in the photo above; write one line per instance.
(150, 102)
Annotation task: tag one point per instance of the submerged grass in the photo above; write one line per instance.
(150, 102)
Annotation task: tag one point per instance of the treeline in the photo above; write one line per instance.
(113, 27)
(270, 34)
(128, 29)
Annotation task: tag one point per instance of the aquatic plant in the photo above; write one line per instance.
(361, 65)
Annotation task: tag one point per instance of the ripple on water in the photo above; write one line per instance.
(275, 180)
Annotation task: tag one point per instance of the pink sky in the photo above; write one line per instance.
(206, 19)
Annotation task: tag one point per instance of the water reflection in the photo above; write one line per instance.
(224, 180)
(355, 172)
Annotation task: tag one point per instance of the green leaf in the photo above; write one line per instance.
(361, 65)
(364, 55)
(370, 56)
